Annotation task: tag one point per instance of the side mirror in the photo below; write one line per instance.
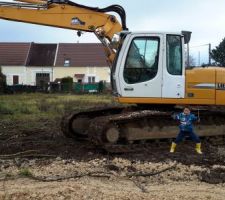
(187, 36)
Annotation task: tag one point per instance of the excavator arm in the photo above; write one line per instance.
(69, 15)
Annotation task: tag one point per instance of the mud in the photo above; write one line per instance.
(68, 169)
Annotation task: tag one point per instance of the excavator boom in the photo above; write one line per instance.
(68, 15)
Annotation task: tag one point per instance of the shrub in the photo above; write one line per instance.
(67, 84)
(2, 82)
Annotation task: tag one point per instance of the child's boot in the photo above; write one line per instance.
(173, 147)
(198, 148)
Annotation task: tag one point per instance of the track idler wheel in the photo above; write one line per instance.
(79, 126)
(75, 127)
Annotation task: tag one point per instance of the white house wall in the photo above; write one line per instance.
(32, 71)
(10, 71)
(100, 73)
(27, 75)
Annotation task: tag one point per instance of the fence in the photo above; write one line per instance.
(21, 89)
(86, 88)
(58, 88)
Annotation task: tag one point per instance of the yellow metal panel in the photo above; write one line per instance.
(220, 92)
(220, 76)
(200, 93)
(200, 83)
(201, 75)
(220, 97)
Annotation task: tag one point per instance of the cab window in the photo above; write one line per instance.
(174, 54)
(142, 60)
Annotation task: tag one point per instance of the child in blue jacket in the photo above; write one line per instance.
(186, 119)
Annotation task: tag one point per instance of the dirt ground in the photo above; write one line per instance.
(38, 162)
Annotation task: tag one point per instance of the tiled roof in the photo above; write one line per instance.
(13, 53)
(81, 55)
(78, 54)
(41, 55)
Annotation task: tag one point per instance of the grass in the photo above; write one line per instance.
(25, 172)
(37, 106)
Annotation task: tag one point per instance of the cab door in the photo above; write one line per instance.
(174, 69)
(140, 66)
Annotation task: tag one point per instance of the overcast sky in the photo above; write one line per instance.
(205, 18)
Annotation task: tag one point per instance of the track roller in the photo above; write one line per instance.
(112, 135)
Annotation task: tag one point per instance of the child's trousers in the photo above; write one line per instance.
(183, 134)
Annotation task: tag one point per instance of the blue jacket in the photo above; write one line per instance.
(186, 121)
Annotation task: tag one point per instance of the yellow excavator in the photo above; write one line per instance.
(147, 70)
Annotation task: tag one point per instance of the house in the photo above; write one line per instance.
(86, 63)
(13, 58)
(38, 64)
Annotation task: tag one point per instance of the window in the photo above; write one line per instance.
(174, 54)
(91, 79)
(42, 75)
(66, 62)
(15, 80)
(142, 60)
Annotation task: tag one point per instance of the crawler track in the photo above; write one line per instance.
(121, 129)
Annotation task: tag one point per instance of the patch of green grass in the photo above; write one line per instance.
(5, 109)
(25, 172)
(39, 106)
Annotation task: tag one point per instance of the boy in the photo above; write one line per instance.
(186, 119)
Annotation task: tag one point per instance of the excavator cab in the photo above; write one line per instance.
(151, 65)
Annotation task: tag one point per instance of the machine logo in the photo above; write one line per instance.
(221, 86)
(76, 21)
